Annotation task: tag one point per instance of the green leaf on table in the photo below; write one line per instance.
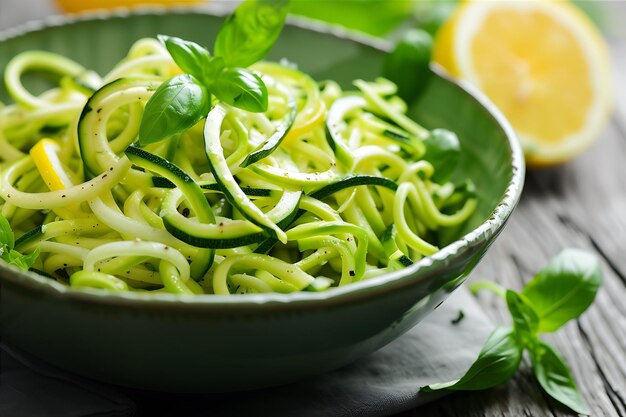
(248, 34)
(408, 64)
(496, 363)
(178, 104)
(562, 291)
(556, 380)
(565, 288)
(189, 56)
(525, 319)
(241, 88)
(443, 151)
(7, 239)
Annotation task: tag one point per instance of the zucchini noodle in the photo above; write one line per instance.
(326, 188)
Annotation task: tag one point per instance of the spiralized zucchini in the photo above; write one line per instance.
(326, 188)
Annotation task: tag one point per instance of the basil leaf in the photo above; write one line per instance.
(248, 34)
(7, 238)
(525, 319)
(408, 64)
(22, 261)
(496, 363)
(212, 70)
(565, 288)
(178, 104)
(555, 379)
(189, 56)
(443, 151)
(241, 88)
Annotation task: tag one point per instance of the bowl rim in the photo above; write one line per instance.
(372, 287)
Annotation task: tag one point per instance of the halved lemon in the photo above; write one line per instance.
(542, 62)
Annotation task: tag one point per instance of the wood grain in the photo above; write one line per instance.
(582, 204)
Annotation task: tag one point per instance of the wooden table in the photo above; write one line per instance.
(581, 204)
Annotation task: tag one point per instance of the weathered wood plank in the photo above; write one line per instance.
(521, 396)
(582, 204)
(618, 56)
(575, 341)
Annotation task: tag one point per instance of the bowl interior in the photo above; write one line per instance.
(297, 334)
(99, 43)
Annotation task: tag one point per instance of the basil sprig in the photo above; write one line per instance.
(7, 251)
(182, 101)
(560, 292)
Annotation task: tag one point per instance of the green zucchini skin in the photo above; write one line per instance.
(225, 179)
(189, 188)
(336, 113)
(162, 182)
(91, 143)
(326, 191)
(155, 163)
(405, 261)
(221, 234)
(274, 141)
(353, 181)
(29, 237)
(222, 237)
(395, 258)
(190, 236)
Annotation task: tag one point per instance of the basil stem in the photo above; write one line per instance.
(525, 320)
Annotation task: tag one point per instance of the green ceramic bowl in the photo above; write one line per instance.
(228, 343)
